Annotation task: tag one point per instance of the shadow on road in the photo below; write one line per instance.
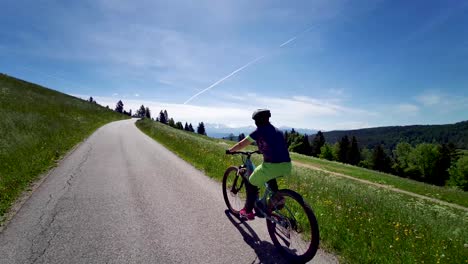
(266, 251)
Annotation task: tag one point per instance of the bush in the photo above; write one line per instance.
(459, 174)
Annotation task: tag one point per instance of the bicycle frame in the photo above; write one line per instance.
(268, 193)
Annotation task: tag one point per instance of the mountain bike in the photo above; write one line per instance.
(291, 223)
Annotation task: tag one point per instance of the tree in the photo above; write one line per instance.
(424, 158)
(166, 116)
(130, 112)
(354, 153)
(162, 117)
(446, 154)
(119, 107)
(141, 112)
(201, 129)
(241, 137)
(317, 143)
(459, 174)
(147, 113)
(304, 146)
(286, 137)
(380, 160)
(171, 122)
(343, 151)
(191, 128)
(326, 152)
(91, 100)
(336, 150)
(402, 162)
(179, 125)
(366, 156)
(294, 141)
(186, 127)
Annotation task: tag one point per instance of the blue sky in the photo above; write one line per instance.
(349, 64)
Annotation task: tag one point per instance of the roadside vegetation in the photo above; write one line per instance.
(359, 222)
(440, 164)
(448, 194)
(37, 127)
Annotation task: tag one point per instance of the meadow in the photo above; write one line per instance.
(37, 127)
(447, 194)
(360, 223)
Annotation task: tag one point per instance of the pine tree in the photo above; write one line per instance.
(186, 127)
(343, 151)
(380, 160)
(446, 152)
(201, 129)
(191, 128)
(130, 112)
(147, 113)
(241, 137)
(162, 117)
(166, 116)
(171, 122)
(119, 107)
(91, 100)
(305, 148)
(179, 125)
(141, 112)
(286, 137)
(354, 153)
(317, 143)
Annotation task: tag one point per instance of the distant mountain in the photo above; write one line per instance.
(390, 136)
(221, 130)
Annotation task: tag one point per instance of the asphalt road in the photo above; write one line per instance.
(121, 197)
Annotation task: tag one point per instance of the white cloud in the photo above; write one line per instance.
(407, 109)
(295, 111)
(137, 95)
(429, 99)
(443, 102)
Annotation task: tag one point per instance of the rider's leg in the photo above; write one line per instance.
(252, 194)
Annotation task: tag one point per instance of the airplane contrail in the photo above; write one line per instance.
(286, 43)
(224, 78)
(246, 65)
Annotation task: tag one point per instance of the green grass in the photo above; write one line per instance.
(447, 194)
(37, 127)
(361, 223)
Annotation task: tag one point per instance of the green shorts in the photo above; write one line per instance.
(268, 171)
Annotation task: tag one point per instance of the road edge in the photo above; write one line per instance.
(33, 186)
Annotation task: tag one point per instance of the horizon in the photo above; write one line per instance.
(322, 65)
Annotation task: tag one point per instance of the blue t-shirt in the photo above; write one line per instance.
(271, 143)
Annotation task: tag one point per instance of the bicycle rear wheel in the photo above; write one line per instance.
(294, 230)
(234, 190)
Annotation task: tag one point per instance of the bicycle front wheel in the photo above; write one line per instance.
(293, 228)
(234, 190)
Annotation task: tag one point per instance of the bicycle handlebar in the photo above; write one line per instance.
(247, 153)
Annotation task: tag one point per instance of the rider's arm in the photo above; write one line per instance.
(242, 144)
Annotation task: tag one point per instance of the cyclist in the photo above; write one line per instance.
(276, 160)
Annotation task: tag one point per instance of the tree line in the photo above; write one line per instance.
(438, 164)
(163, 117)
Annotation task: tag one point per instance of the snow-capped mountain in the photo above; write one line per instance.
(221, 130)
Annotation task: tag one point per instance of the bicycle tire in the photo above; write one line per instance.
(311, 230)
(238, 194)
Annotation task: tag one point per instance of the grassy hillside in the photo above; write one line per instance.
(38, 126)
(391, 136)
(360, 222)
(447, 194)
